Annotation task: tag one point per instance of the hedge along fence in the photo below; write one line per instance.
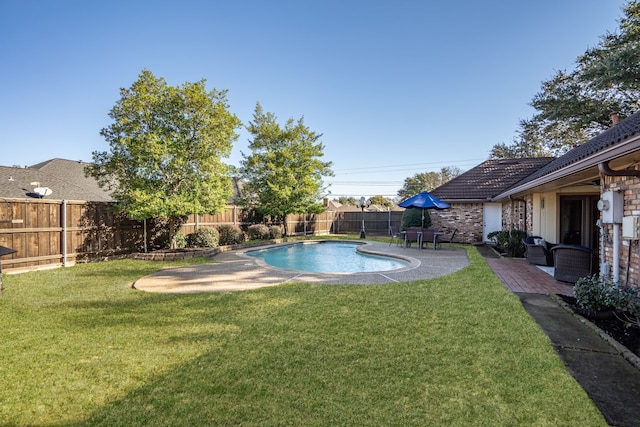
(52, 233)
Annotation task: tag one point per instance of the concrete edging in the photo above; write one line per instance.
(624, 351)
(187, 253)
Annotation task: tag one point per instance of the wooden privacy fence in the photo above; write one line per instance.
(59, 232)
(56, 232)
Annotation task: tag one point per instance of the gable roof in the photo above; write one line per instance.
(65, 178)
(489, 179)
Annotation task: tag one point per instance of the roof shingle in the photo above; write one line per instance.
(65, 178)
(489, 178)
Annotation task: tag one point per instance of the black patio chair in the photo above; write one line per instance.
(572, 262)
(447, 239)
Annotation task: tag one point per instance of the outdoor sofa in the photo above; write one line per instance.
(538, 251)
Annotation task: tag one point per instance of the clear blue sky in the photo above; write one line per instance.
(395, 87)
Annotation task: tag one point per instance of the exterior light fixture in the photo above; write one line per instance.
(363, 203)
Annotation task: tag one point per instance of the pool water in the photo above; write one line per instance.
(326, 257)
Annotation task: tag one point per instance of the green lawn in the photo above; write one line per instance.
(78, 346)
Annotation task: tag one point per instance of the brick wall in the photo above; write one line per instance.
(466, 217)
(629, 261)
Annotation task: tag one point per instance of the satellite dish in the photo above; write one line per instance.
(42, 191)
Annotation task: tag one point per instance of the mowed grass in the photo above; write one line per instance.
(79, 347)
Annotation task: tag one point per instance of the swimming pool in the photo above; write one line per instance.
(326, 257)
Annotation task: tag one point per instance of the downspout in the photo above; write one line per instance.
(604, 169)
(616, 254)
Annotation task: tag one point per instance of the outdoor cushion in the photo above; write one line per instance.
(537, 251)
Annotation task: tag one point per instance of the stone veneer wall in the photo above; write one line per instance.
(466, 217)
(518, 214)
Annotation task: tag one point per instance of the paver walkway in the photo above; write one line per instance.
(520, 276)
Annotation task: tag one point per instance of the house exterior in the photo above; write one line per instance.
(562, 201)
(474, 211)
(590, 196)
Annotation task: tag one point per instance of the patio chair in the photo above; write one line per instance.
(538, 251)
(413, 234)
(447, 239)
(572, 262)
(430, 236)
(395, 234)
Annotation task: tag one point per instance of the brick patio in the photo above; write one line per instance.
(520, 276)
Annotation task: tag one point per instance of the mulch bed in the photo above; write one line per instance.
(625, 334)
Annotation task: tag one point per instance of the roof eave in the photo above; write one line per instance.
(631, 145)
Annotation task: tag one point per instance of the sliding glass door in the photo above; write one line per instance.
(578, 216)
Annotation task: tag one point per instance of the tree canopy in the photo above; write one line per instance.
(284, 170)
(427, 181)
(380, 201)
(166, 149)
(574, 106)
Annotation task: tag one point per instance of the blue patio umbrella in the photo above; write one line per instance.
(424, 200)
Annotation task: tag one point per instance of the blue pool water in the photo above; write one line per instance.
(326, 257)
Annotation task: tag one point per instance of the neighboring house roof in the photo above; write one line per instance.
(489, 179)
(65, 178)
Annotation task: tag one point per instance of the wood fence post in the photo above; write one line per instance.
(63, 220)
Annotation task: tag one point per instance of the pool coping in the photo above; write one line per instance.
(235, 271)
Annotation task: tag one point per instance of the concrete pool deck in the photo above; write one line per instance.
(235, 271)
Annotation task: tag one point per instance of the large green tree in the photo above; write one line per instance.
(574, 106)
(284, 169)
(427, 181)
(166, 149)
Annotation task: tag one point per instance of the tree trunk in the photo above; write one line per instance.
(284, 224)
(172, 234)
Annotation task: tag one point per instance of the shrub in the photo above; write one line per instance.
(509, 241)
(412, 217)
(230, 234)
(600, 294)
(204, 238)
(181, 240)
(163, 242)
(258, 232)
(275, 232)
(628, 300)
(594, 293)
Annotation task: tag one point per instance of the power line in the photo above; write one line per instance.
(404, 166)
